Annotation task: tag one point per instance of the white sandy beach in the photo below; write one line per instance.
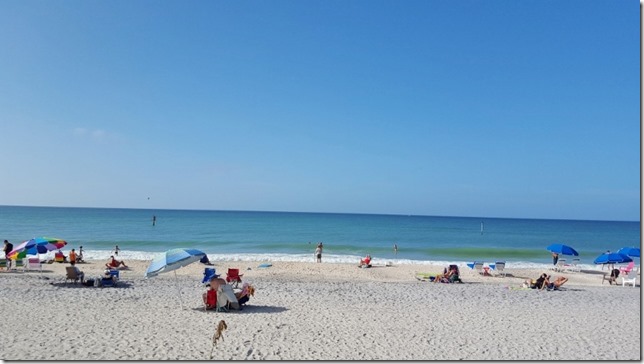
(309, 311)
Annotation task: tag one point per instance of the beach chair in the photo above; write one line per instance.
(59, 257)
(574, 266)
(233, 276)
(208, 274)
(112, 281)
(210, 301)
(31, 264)
(478, 266)
(71, 275)
(561, 265)
(611, 276)
(499, 268)
(632, 277)
(627, 269)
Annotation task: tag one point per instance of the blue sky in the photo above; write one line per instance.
(455, 108)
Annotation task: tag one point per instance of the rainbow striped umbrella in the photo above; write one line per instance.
(36, 246)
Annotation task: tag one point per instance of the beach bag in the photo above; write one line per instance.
(88, 283)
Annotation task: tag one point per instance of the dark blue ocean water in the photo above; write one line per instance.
(283, 236)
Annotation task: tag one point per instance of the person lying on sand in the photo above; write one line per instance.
(558, 282)
(113, 263)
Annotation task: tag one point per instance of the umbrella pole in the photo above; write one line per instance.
(178, 288)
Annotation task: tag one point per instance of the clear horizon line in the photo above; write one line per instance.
(325, 212)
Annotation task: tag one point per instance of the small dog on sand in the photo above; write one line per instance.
(219, 332)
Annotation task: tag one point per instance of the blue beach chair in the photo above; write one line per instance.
(208, 274)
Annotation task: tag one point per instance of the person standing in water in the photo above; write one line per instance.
(395, 249)
(116, 250)
(154, 220)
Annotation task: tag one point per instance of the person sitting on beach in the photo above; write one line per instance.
(107, 274)
(79, 273)
(558, 282)
(366, 262)
(217, 282)
(540, 282)
(113, 263)
(60, 257)
(453, 274)
(72, 256)
(244, 295)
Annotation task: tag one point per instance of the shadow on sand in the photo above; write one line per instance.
(120, 284)
(249, 308)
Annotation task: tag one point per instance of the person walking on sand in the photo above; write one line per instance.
(8, 247)
(555, 258)
(318, 254)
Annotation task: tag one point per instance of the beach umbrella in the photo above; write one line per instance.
(36, 246)
(612, 258)
(631, 252)
(172, 260)
(562, 249)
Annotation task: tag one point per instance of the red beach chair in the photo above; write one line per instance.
(233, 276)
(210, 300)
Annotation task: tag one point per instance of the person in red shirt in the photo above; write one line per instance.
(113, 263)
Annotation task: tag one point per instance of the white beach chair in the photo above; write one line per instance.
(632, 277)
(478, 266)
(561, 265)
(499, 267)
(575, 265)
(31, 264)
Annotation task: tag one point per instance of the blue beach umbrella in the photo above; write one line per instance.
(612, 258)
(562, 249)
(631, 252)
(172, 260)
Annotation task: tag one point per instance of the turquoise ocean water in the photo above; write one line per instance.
(284, 236)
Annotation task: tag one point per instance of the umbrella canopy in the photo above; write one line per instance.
(173, 259)
(612, 258)
(631, 252)
(562, 249)
(36, 246)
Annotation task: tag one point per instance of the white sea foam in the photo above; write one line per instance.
(326, 258)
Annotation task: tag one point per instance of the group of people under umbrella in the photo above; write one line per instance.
(219, 293)
(623, 255)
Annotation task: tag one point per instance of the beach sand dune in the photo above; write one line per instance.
(309, 311)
